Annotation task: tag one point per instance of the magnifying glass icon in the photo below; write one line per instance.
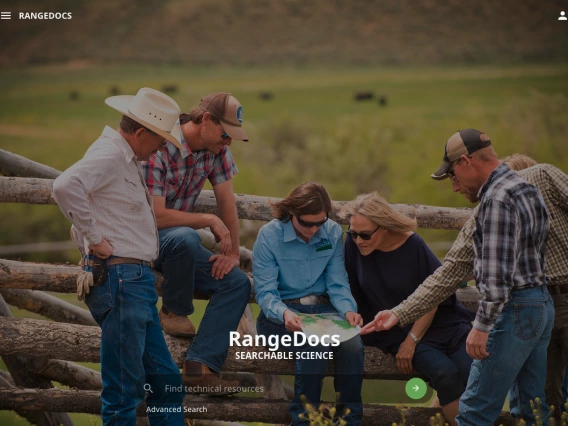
(148, 388)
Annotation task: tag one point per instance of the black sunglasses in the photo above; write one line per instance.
(365, 236)
(311, 224)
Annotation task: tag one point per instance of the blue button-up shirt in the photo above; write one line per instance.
(286, 267)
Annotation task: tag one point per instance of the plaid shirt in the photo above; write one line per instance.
(458, 264)
(180, 175)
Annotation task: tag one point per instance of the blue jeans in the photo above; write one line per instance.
(516, 363)
(186, 268)
(348, 361)
(133, 350)
(447, 372)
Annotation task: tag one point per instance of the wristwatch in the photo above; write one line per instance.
(416, 339)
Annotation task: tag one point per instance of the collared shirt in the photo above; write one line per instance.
(179, 175)
(104, 196)
(286, 267)
(458, 263)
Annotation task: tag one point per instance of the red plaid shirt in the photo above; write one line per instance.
(180, 175)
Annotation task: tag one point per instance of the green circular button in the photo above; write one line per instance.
(416, 388)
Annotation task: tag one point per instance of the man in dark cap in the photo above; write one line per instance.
(513, 324)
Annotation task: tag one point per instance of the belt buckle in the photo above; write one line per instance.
(311, 299)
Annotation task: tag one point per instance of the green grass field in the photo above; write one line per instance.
(311, 130)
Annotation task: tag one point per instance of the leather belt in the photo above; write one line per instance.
(315, 300)
(561, 288)
(127, 261)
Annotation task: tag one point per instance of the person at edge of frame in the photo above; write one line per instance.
(504, 244)
(106, 199)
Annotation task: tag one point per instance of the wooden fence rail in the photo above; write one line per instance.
(252, 207)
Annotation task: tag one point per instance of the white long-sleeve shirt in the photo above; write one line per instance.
(104, 195)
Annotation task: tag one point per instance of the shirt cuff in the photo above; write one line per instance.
(402, 318)
(92, 236)
(483, 324)
(280, 311)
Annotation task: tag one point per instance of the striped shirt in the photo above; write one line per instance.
(179, 175)
(104, 196)
(458, 263)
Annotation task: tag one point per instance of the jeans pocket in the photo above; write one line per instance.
(528, 320)
(130, 272)
(100, 301)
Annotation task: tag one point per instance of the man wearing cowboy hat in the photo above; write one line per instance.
(175, 178)
(105, 197)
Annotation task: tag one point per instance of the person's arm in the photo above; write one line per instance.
(499, 236)
(406, 350)
(228, 213)
(265, 271)
(335, 277)
(363, 306)
(72, 187)
(457, 266)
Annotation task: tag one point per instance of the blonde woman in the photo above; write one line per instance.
(386, 261)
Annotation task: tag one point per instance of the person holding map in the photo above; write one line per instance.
(385, 262)
(298, 269)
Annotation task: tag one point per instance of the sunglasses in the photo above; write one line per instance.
(310, 224)
(225, 135)
(365, 236)
(452, 174)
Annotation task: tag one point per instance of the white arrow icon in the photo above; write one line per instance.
(415, 388)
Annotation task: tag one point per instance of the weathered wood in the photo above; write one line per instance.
(252, 207)
(16, 165)
(67, 373)
(36, 338)
(19, 369)
(272, 384)
(62, 278)
(47, 305)
(236, 409)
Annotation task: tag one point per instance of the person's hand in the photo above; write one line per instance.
(292, 321)
(223, 264)
(476, 344)
(222, 235)
(404, 356)
(354, 318)
(384, 320)
(102, 250)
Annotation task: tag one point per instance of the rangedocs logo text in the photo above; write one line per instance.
(44, 15)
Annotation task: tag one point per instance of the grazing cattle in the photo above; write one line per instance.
(74, 95)
(266, 96)
(114, 90)
(383, 100)
(363, 96)
(170, 88)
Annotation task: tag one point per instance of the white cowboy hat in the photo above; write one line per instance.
(152, 109)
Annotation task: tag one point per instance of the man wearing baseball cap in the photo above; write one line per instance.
(175, 178)
(513, 324)
(105, 197)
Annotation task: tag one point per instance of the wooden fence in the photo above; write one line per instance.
(38, 352)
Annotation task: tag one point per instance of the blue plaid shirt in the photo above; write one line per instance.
(179, 175)
(509, 241)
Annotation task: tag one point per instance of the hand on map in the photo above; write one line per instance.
(354, 319)
(292, 321)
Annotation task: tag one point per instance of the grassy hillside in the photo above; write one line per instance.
(311, 130)
(274, 32)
